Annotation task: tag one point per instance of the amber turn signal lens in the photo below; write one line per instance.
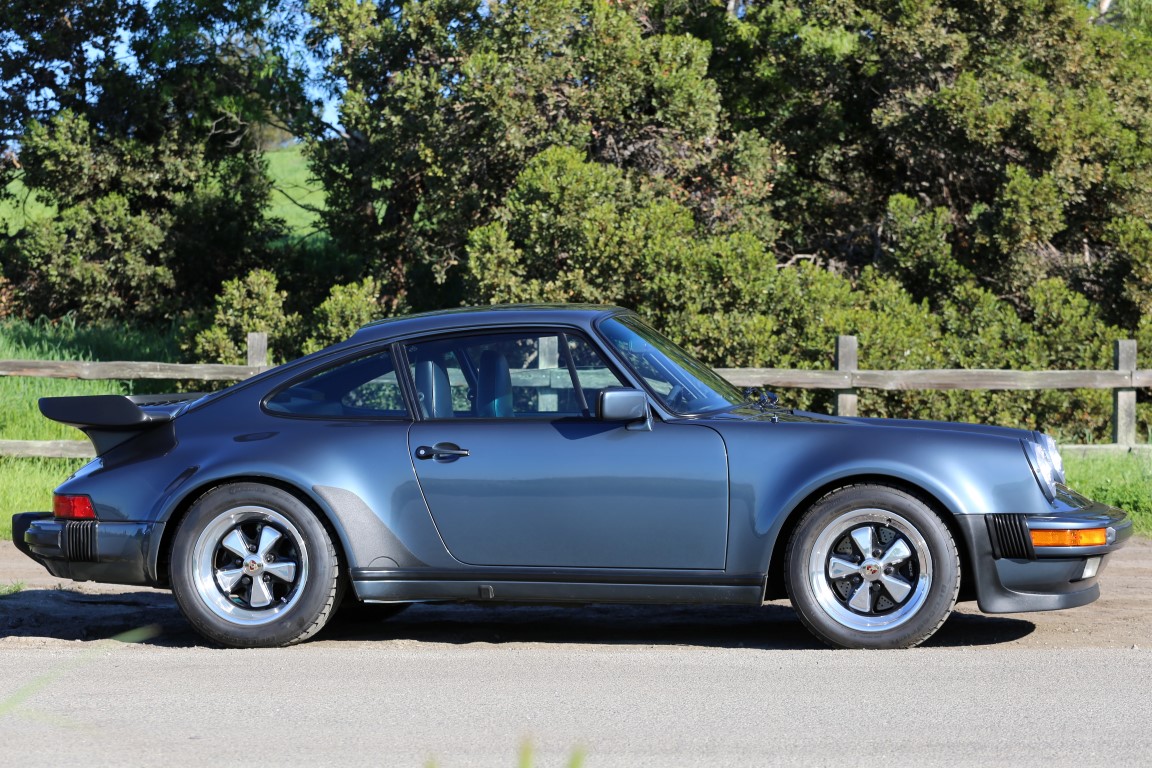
(1087, 537)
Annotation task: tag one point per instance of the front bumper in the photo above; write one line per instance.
(86, 550)
(1011, 575)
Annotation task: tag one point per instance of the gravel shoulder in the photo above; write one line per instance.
(50, 611)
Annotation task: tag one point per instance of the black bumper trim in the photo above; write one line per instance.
(20, 525)
(1010, 537)
(78, 541)
(107, 552)
(994, 596)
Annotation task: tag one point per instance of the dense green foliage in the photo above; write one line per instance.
(133, 121)
(960, 183)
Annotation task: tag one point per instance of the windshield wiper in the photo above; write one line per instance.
(762, 398)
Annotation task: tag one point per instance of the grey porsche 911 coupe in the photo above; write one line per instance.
(562, 453)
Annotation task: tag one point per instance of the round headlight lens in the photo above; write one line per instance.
(1055, 457)
(1046, 462)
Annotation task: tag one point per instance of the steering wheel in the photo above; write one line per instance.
(678, 398)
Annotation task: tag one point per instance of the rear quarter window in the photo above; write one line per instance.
(364, 388)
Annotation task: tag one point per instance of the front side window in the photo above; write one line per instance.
(544, 375)
(682, 383)
(364, 388)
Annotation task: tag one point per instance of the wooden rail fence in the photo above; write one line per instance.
(1124, 379)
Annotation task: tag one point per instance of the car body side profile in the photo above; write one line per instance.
(558, 453)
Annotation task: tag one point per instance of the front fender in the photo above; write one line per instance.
(777, 470)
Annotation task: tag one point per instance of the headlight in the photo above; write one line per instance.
(1046, 462)
(1053, 456)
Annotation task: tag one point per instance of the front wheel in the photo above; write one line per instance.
(253, 567)
(870, 566)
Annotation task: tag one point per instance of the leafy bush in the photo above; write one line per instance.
(346, 309)
(247, 305)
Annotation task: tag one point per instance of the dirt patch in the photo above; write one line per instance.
(49, 610)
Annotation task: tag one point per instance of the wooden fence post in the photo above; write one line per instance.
(846, 360)
(258, 349)
(1124, 400)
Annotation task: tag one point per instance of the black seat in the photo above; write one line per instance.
(433, 390)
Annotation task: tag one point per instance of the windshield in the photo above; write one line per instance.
(682, 383)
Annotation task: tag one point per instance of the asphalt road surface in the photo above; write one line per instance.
(619, 686)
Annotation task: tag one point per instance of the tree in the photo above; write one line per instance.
(1023, 124)
(445, 102)
(134, 121)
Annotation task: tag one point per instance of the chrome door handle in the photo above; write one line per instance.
(442, 451)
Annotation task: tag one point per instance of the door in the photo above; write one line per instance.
(519, 471)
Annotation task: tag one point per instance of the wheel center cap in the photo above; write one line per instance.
(871, 570)
(254, 565)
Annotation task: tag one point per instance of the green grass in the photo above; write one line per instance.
(26, 485)
(1122, 480)
(292, 188)
(11, 588)
(65, 339)
(18, 209)
(20, 418)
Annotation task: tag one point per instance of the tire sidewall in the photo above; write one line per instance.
(937, 538)
(316, 597)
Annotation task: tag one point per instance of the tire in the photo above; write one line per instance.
(871, 566)
(253, 567)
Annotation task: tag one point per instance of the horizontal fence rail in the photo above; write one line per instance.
(944, 378)
(52, 369)
(845, 380)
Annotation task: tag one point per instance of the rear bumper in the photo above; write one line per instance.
(85, 550)
(1012, 576)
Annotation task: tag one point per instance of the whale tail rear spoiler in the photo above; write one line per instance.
(109, 420)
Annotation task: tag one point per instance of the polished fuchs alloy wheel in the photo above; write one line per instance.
(253, 566)
(872, 566)
(250, 564)
(871, 570)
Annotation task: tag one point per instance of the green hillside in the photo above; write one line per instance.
(294, 193)
(294, 190)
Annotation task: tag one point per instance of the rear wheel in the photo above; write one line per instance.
(252, 566)
(871, 566)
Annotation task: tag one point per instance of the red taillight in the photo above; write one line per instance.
(73, 507)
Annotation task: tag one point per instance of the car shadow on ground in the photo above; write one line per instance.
(773, 626)
(151, 617)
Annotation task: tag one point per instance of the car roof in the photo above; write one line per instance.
(581, 315)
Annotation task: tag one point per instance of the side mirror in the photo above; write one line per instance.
(622, 404)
